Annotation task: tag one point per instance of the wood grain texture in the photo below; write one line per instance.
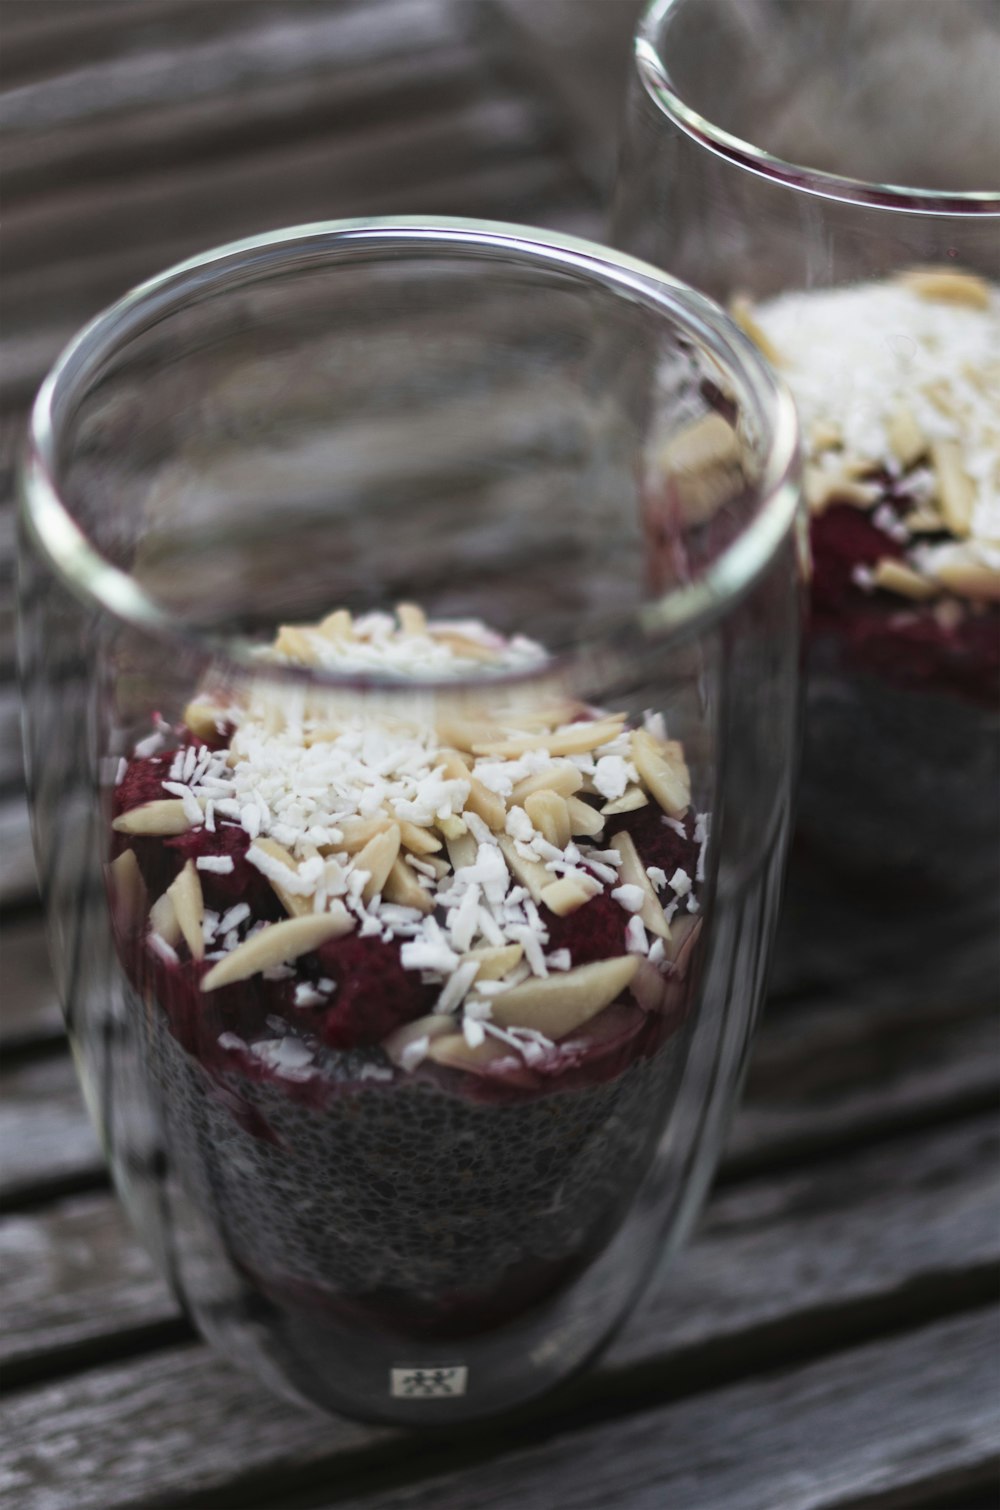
(47, 1145)
(30, 1016)
(779, 1267)
(884, 1425)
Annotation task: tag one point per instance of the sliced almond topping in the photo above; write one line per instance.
(559, 1004)
(412, 619)
(741, 310)
(455, 1053)
(466, 733)
(163, 920)
(924, 521)
(824, 435)
(324, 734)
(947, 285)
(561, 777)
(128, 889)
(435, 1026)
(824, 486)
(680, 946)
(664, 770)
(956, 490)
(337, 625)
(403, 888)
(530, 873)
(630, 800)
(204, 718)
(185, 893)
(357, 832)
(573, 741)
(419, 841)
(484, 803)
(970, 580)
(906, 439)
(439, 865)
(296, 906)
(893, 576)
(469, 650)
(550, 815)
(462, 849)
(701, 467)
(295, 641)
(278, 944)
(378, 857)
(584, 819)
(494, 961)
(452, 827)
(633, 873)
(567, 894)
(164, 817)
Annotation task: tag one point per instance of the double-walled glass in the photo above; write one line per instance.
(540, 436)
(810, 149)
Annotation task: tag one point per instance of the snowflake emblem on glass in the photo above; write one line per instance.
(428, 1383)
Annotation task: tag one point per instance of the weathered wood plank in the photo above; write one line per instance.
(29, 1010)
(18, 883)
(11, 753)
(911, 1414)
(780, 1267)
(884, 1425)
(47, 1145)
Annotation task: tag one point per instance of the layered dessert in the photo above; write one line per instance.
(898, 388)
(413, 975)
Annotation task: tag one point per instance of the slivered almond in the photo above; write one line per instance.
(560, 777)
(465, 733)
(453, 827)
(435, 1026)
(402, 887)
(906, 439)
(573, 741)
(680, 945)
(707, 444)
(128, 890)
(824, 435)
(378, 857)
(742, 312)
(664, 770)
(357, 832)
(947, 285)
(530, 873)
(550, 815)
(185, 893)
(924, 521)
(462, 850)
(494, 961)
(412, 619)
(559, 1004)
(584, 819)
(453, 1051)
(439, 865)
(893, 576)
(484, 803)
(163, 920)
(970, 579)
(203, 718)
(470, 650)
(567, 894)
(630, 801)
(296, 906)
(278, 944)
(295, 641)
(337, 625)
(323, 734)
(419, 841)
(955, 489)
(824, 486)
(161, 818)
(633, 873)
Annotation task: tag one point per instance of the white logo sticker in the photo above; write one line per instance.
(427, 1383)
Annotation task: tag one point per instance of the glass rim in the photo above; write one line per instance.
(114, 593)
(896, 198)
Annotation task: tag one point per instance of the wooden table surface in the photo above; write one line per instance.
(830, 1337)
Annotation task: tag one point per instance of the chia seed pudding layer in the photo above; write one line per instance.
(898, 388)
(415, 1000)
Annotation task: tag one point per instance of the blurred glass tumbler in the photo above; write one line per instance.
(411, 1223)
(765, 151)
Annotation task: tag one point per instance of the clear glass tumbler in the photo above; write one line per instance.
(832, 172)
(410, 638)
